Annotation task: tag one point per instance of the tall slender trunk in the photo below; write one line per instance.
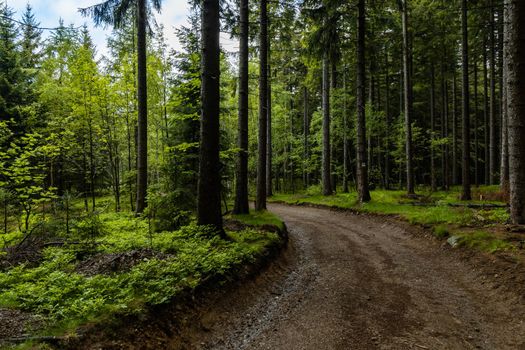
(476, 123)
(345, 137)
(371, 104)
(290, 148)
(333, 83)
(515, 85)
(504, 172)
(260, 203)
(433, 183)
(454, 131)
(142, 144)
(486, 125)
(306, 131)
(241, 193)
(465, 195)
(407, 63)
(387, 117)
(362, 162)
(84, 177)
(503, 121)
(444, 130)
(492, 108)
(209, 182)
(130, 166)
(91, 166)
(269, 153)
(326, 181)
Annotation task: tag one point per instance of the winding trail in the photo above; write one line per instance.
(355, 282)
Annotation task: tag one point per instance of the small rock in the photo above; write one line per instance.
(453, 241)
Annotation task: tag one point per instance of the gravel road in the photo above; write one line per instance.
(351, 281)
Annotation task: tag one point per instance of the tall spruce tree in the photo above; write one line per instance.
(209, 185)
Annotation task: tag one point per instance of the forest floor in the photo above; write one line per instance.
(72, 290)
(351, 281)
(378, 276)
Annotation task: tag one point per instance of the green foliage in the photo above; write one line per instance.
(260, 218)
(440, 231)
(484, 241)
(192, 255)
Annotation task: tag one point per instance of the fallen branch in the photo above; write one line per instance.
(475, 205)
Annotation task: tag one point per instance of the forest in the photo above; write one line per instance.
(126, 177)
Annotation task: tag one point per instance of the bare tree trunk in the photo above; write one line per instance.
(260, 203)
(142, 144)
(306, 130)
(486, 125)
(407, 58)
(91, 166)
(433, 183)
(504, 172)
(269, 153)
(209, 182)
(444, 130)
(454, 131)
(362, 162)
(387, 117)
(492, 116)
(345, 137)
(515, 86)
(326, 181)
(465, 195)
(241, 194)
(476, 123)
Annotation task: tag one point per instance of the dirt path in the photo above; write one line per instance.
(356, 282)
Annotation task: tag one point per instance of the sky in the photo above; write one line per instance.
(48, 12)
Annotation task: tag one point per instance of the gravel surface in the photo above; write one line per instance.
(355, 282)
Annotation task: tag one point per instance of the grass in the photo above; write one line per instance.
(484, 241)
(259, 218)
(66, 298)
(431, 210)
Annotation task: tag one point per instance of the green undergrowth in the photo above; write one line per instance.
(441, 211)
(259, 218)
(484, 241)
(61, 293)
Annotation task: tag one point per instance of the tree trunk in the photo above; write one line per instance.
(387, 117)
(465, 195)
(486, 125)
(269, 150)
(260, 203)
(209, 182)
(91, 166)
(326, 181)
(142, 144)
(407, 58)
(433, 183)
(362, 163)
(306, 130)
(476, 123)
(241, 195)
(504, 172)
(514, 56)
(345, 137)
(444, 130)
(454, 131)
(492, 108)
